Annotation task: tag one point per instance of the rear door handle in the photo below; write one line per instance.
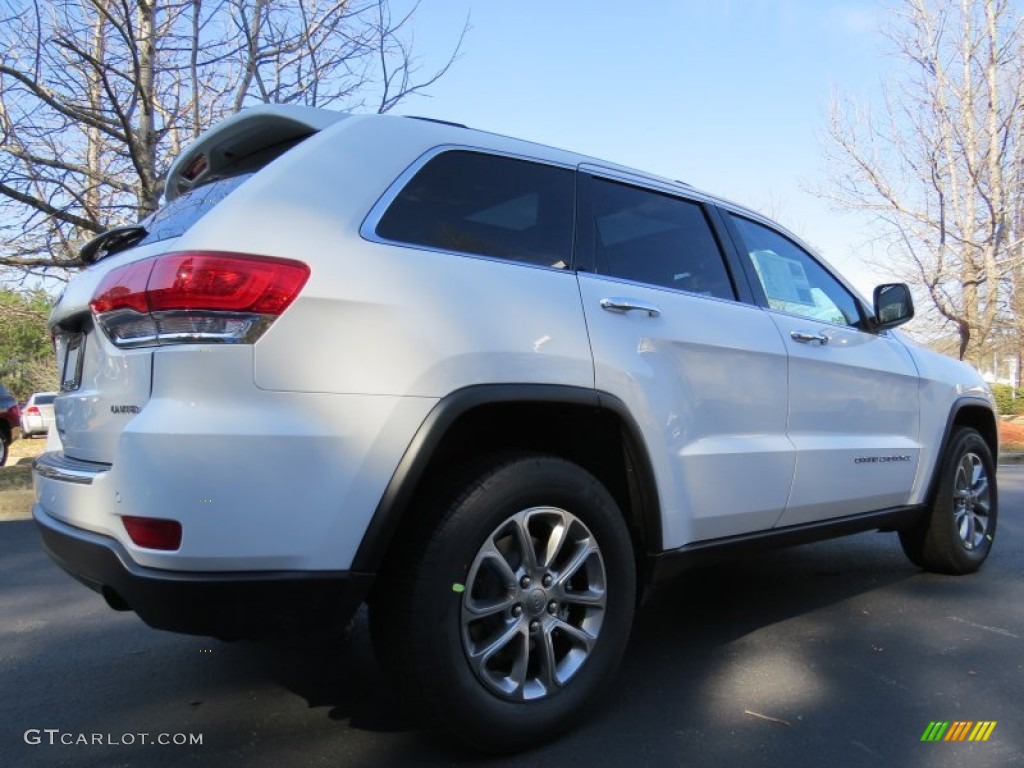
(622, 306)
(810, 338)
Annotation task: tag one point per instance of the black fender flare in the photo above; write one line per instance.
(965, 401)
(410, 470)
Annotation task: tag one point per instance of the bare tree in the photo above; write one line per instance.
(940, 163)
(26, 357)
(97, 96)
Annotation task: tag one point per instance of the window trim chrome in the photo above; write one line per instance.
(655, 184)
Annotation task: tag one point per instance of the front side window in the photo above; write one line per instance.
(792, 280)
(487, 205)
(656, 239)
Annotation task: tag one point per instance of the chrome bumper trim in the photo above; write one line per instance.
(56, 466)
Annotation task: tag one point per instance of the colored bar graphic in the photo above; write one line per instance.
(958, 730)
(982, 731)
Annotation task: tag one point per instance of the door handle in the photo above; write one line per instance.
(622, 306)
(810, 338)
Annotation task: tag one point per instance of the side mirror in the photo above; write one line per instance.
(893, 306)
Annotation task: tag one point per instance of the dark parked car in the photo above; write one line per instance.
(10, 417)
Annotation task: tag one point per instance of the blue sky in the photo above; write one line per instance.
(729, 95)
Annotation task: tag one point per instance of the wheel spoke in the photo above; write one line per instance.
(524, 541)
(481, 610)
(967, 529)
(491, 554)
(481, 656)
(579, 636)
(556, 540)
(584, 552)
(548, 664)
(966, 471)
(517, 675)
(592, 597)
(977, 472)
(481, 605)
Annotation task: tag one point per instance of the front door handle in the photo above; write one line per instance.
(621, 306)
(810, 338)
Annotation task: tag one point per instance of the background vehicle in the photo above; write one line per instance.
(37, 415)
(511, 387)
(9, 419)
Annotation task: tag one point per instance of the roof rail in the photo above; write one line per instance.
(435, 120)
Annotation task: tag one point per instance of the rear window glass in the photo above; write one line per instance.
(177, 216)
(44, 399)
(488, 205)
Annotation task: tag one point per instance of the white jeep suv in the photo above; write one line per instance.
(493, 388)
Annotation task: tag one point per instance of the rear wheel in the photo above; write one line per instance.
(957, 535)
(514, 607)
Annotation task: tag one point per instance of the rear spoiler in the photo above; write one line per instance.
(240, 135)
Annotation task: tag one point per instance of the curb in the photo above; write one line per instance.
(1011, 458)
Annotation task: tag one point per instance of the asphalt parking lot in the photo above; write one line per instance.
(839, 652)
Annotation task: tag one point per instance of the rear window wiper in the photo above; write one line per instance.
(111, 241)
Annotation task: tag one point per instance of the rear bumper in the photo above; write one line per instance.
(227, 605)
(34, 425)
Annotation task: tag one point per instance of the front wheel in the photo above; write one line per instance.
(957, 535)
(513, 610)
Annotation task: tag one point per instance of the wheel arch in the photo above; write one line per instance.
(590, 428)
(966, 412)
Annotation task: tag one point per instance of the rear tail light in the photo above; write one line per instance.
(153, 532)
(32, 411)
(192, 297)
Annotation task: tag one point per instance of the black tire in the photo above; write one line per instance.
(957, 534)
(468, 555)
(5, 442)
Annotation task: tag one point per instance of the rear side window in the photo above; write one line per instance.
(657, 239)
(486, 205)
